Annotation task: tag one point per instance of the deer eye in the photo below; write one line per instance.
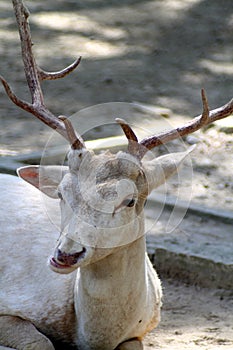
(128, 202)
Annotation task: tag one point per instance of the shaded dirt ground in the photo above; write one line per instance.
(193, 318)
(159, 53)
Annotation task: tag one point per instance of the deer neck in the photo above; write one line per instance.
(127, 263)
(112, 290)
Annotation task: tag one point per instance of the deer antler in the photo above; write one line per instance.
(139, 149)
(207, 117)
(75, 141)
(133, 145)
(33, 75)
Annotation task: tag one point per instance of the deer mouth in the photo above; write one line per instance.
(66, 263)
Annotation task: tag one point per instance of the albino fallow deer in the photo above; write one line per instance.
(106, 294)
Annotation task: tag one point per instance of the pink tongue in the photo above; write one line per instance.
(54, 263)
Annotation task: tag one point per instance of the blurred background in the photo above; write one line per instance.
(156, 52)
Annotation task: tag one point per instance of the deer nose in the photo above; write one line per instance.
(69, 259)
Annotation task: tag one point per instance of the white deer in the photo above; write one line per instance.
(107, 296)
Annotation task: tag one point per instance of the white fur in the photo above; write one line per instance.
(111, 294)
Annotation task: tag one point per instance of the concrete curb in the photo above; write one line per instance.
(199, 251)
(9, 164)
(192, 269)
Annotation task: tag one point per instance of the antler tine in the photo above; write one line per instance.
(205, 108)
(133, 145)
(207, 117)
(129, 133)
(34, 74)
(43, 75)
(75, 140)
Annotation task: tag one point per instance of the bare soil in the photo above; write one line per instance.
(160, 53)
(193, 318)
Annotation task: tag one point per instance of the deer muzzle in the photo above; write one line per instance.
(63, 262)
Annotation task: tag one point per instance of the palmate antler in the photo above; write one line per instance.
(62, 125)
(34, 75)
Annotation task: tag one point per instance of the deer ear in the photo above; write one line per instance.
(45, 178)
(158, 170)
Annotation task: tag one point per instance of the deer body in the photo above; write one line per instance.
(28, 288)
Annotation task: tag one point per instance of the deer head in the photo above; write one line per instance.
(101, 199)
(102, 196)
